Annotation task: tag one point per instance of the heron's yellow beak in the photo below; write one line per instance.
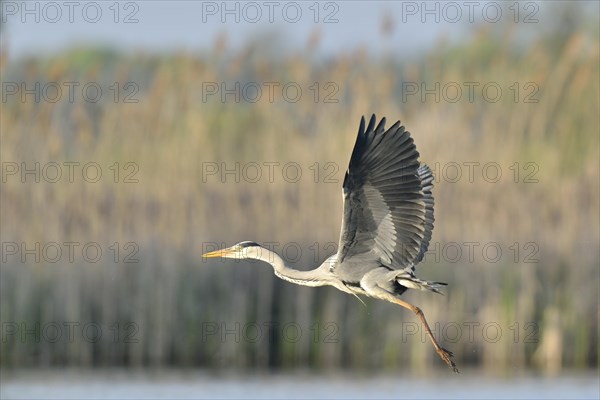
(218, 253)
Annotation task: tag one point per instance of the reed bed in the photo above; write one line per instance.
(535, 306)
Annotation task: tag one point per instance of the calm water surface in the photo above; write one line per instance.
(125, 384)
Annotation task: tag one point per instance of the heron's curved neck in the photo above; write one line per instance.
(316, 277)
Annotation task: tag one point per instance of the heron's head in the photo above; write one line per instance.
(238, 251)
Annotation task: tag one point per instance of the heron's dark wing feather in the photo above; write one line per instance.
(387, 217)
(426, 178)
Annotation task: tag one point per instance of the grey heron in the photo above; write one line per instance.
(386, 227)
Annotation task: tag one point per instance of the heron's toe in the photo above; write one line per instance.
(446, 355)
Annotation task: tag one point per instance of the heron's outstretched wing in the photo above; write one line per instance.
(388, 205)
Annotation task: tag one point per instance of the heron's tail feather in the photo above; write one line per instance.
(407, 279)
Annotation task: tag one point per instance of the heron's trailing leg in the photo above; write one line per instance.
(443, 353)
(380, 283)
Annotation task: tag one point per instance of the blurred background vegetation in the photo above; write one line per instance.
(171, 308)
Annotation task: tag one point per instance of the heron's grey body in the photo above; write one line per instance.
(386, 228)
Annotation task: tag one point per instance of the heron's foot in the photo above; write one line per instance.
(446, 356)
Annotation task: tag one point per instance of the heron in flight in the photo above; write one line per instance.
(386, 226)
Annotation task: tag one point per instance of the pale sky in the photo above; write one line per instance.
(35, 27)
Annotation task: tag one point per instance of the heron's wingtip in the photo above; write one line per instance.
(361, 128)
